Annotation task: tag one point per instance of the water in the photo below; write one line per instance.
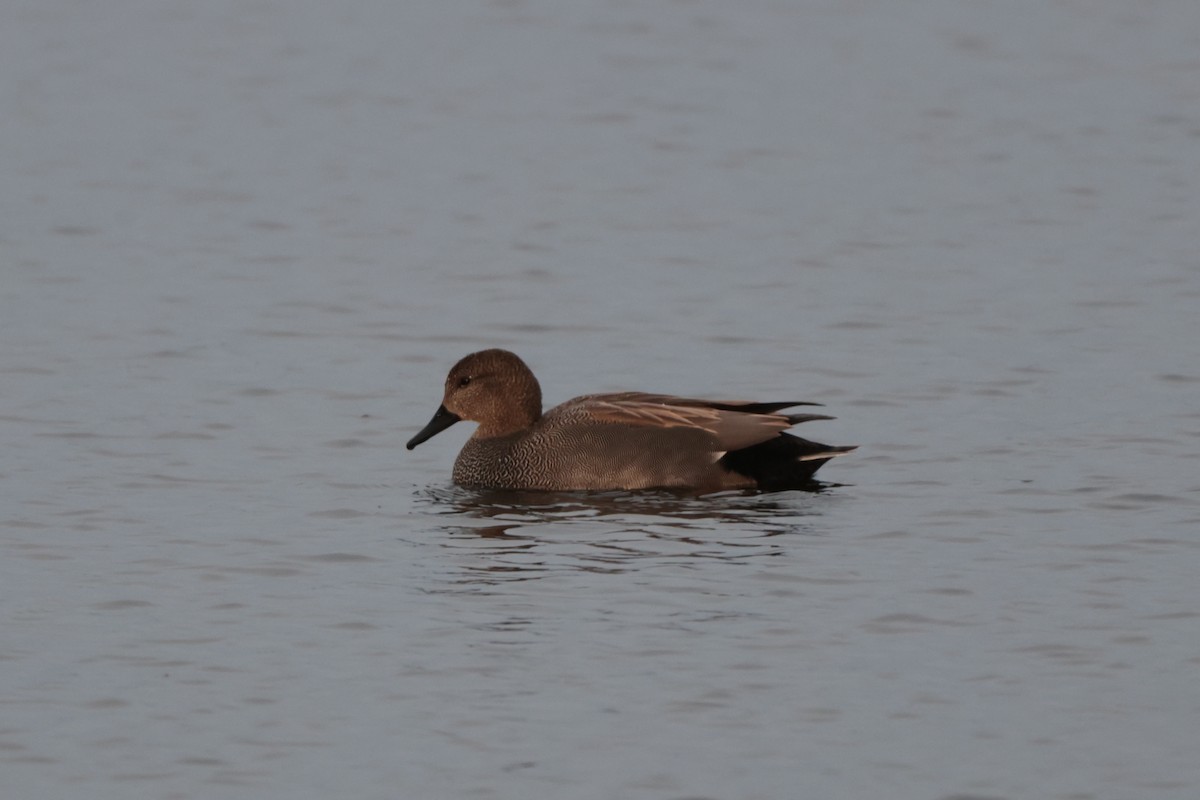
(244, 242)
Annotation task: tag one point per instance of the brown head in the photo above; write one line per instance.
(491, 387)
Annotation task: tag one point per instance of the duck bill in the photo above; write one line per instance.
(442, 419)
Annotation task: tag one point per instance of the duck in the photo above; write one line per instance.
(619, 441)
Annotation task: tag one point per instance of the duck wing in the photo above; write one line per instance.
(733, 424)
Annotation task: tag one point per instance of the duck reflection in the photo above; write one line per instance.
(516, 536)
(732, 505)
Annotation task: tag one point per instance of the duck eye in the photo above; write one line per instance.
(463, 381)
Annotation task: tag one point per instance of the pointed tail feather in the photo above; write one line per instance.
(796, 419)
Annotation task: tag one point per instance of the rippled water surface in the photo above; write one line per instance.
(243, 242)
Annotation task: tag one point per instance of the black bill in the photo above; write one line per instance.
(442, 419)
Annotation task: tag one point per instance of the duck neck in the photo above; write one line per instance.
(523, 413)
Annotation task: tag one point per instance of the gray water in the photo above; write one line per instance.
(243, 241)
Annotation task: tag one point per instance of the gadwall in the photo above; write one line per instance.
(629, 440)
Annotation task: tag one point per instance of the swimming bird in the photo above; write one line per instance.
(627, 440)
